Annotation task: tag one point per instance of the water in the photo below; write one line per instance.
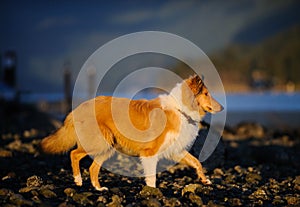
(285, 102)
(276, 110)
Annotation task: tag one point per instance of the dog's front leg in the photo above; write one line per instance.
(186, 158)
(149, 165)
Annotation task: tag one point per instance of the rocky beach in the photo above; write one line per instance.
(253, 165)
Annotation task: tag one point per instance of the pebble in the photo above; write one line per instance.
(19, 146)
(34, 181)
(218, 171)
(259, 194)
(297, 183)
(245, 130)
(171, 202)
(19, 200)
(190, 188)
(148, 191)
(5, 153)
(278, 200)
(195, 199)
(253, 178)
(116, 201)
(235, 202)
(238, 169)
(102, 199)
(47, 193)
(82, 198)
(69, 192)
(292, 200)
(152, 202)
(5, 192)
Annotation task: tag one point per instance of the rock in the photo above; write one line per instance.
(152, 202)
(34, 181)
(253, 178)
(5, 193)
(238, 169)
(116, 201)
(47, 193)
(274, 186)
(27, 189)
(148, 191)
(30, 133)
(26, 134)
(218, 171)
(212, 204)
(18, 146)
(9, 175)
(190, 188)
(292, 200)
(36, 199)
(82, 198)
(65, 204)
(19, 200)
(230, 178)
(15, 145)
(235, 202)
(195, 199)
(248, 130)
(5, 153)
(171, 202)
(102, 199)
(277, 201)
(297, 183)
(260, 194)
(69, 192)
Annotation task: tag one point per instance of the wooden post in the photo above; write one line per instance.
(67, 88)
(91, 73)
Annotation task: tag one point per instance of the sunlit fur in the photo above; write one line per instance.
(183, 109)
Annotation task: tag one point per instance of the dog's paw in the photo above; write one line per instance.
(101, 188)
(207, 182)
(78, 180)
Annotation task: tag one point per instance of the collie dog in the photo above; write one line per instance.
(163, 127)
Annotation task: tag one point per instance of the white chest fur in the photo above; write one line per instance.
(175, 143)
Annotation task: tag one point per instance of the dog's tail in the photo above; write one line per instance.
(62, 140)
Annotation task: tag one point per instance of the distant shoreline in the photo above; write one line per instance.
(270, 119)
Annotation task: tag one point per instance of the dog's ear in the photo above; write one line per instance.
(195, 83)
(188, 96)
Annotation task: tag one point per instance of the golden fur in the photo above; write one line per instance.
(161, 127)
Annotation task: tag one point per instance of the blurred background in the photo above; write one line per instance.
(254, 45)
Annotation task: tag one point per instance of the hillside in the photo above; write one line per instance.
(273, 62)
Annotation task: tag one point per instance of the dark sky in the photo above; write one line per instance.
(45, 34)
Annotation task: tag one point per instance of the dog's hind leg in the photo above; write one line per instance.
(149, 165)
(95, 169)
(76, 155)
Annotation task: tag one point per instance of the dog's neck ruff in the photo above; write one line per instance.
(176, 94)
(189, 119)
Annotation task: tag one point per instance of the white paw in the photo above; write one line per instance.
(101, 188)
(207, 182)
(78, 180)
